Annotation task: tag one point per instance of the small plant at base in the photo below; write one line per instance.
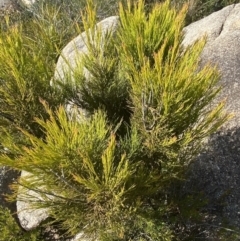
(11, 231)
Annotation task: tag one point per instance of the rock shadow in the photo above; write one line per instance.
(216, 174)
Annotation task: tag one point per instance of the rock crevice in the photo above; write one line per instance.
(223, 24)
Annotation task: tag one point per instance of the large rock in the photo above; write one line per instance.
(216, 172)
(223, 49)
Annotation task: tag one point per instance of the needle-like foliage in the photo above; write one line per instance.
(27, 63)
(108, 174)
(169, 92)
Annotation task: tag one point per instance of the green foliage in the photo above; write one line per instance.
(108, 174)
(28, 54)
(31, 42)
(86, 178)
(108, 88)
(168, 91)
(11, 231)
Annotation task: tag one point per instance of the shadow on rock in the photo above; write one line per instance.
(216, 176)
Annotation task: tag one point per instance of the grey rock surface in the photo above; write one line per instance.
(79, 237)
(222, 49)
(4, 3)
(216, 172)
(29, 217)
(211, 26)
(28, 2)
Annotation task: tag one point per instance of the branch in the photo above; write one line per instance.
(145, 108)
(61, 178)
(44, 192)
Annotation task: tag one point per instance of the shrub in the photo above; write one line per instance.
(109, 175)
(35, 38)
(28, 54)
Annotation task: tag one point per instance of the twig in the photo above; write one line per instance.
(145, 108)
